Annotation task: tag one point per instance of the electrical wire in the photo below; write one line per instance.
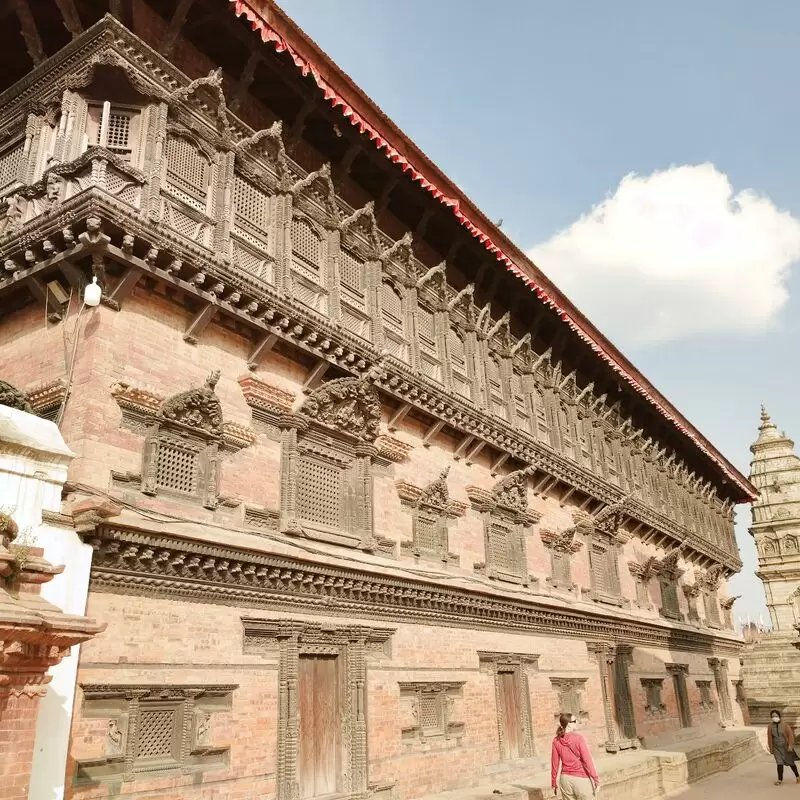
(70, 374)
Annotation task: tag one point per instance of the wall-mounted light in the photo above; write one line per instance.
(92, 293)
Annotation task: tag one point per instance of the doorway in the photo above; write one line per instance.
(319, 759)
(682, 698)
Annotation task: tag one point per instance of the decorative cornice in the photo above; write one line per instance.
(310, 334)
(157, 691)
(130, 561)
(263, 396)
(392, 449)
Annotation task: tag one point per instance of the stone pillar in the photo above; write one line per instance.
(33, 468)
(719, 666)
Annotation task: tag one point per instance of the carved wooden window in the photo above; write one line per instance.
(353, 292)
(182, 449)
(670, 606)
(327, 466)
(457, 356)
(609, 457)
(711, 607)
(653, 688)
(494, 387)
(605, 575)
(540, 412)
(569, 692)
(706, 695)
(584, 428)
(188, 172)
(565, 428)
(428, 339)
(309, 267)
(395, 336)
(115, 128)
(512, 695)
(251, 206)
(560, 567)
(522, 412)
(322, 680)
(432, 708)
(431, 510)
(10, 160)
(153, 731)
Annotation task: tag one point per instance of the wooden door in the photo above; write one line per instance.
(623, 703)
(319, 756)
(510, 716)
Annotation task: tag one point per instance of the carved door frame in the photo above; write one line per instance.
(354, 644)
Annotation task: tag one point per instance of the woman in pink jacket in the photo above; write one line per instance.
(579, 779)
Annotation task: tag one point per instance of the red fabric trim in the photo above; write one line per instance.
(269, 34)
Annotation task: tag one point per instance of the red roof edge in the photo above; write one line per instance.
(341, 92)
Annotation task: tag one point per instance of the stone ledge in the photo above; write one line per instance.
(635, 775)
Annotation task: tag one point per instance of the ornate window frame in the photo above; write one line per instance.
(128, 707)
(505, 507)
(518, 664)
(570, 692)
(669, 575)
(642, 573)
(357, 645)
(706, 695)
(432, 699)
(433, 508)
(185, 436)
(654, 702)
(562, 545)
(333, 437)
(605, 547)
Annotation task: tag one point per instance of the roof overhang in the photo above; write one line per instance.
(278, 30)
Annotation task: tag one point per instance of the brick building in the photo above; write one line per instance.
(387, 501)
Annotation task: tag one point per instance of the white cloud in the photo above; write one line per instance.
(674, 255)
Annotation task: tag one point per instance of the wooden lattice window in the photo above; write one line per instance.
(561, 568)
(706, 694)
(540, 412)
(10, 160)
(670, 606)
(251, 211)
(114, 127)
(181, 452)
(605, 577)
(609, 459)
(309, 267)
(494, 386)
(427, 336)
(431, 715)
(153, 731)
(353, 292)
(711, 607)
(522, 412)
(320, 495)
(569, 693)
(394, 322)
(188, 172)
(177, 467)
(565, 429)
(653, 688)
(457, 357)
(585, 441)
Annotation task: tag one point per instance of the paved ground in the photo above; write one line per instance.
(752, 781)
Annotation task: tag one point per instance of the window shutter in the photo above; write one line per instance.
(188, 172)
(394, 327)
(457, 356)
(320, 493)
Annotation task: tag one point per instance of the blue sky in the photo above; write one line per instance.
(539, 111)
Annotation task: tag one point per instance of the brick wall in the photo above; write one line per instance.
(17, 734)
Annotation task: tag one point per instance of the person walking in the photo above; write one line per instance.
(780, 742)
(571, 754)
